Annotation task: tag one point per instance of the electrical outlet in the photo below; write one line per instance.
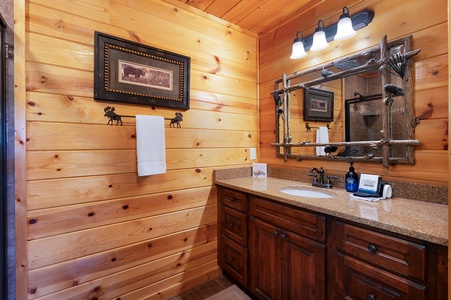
(253, 153)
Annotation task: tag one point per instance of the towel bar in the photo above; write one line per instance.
(308, 127)
(112, 116)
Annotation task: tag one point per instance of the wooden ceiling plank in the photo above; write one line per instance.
(272, 13)
(199, 4)
(308, 8)
(220, 7)
(242, 10)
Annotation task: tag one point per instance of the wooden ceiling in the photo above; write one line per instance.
(258, 16)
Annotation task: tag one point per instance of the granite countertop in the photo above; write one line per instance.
(417, 219)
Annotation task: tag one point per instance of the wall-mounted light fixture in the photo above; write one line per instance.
(344, 29)
(298, 47)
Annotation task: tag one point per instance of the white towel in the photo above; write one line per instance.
(322, 136)
(150, 145)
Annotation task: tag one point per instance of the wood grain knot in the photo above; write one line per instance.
(32, 221)
(91, 214)
(170, 197)
(125, 207)
(198, 170)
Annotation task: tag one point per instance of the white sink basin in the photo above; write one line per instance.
(303, 192)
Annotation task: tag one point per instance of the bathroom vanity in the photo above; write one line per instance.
(280, 246)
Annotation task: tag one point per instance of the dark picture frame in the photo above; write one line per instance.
(318, 105)
(130, 72)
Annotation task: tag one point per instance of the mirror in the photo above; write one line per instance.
(364, 103)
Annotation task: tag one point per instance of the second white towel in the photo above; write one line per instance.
(150, 145)
(322, 136)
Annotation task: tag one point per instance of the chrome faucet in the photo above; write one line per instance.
(321, 183)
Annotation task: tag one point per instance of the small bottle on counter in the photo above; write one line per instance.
(352, 180)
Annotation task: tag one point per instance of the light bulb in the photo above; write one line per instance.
(319, 38)
(344, 27)
(298, 47)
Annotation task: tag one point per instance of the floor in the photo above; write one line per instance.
(206, 290)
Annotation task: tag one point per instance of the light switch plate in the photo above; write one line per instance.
(253, 153)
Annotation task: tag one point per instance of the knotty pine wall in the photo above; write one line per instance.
(87, 226)
(427, 22)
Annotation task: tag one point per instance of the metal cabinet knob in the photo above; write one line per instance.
(371, 297)
(372, 248)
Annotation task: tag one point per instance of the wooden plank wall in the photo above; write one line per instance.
(427, 22)
(92, 229)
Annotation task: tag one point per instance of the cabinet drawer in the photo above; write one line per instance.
(393, 254)
(358, 280)
(305, 223)
(234, 199)
(235, 225)
(235, 260)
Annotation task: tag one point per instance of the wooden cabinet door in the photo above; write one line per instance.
(264, 259)
(303, 268)
(358, 280)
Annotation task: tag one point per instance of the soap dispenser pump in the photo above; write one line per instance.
(352, 180)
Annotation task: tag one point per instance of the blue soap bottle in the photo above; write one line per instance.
(352, 180)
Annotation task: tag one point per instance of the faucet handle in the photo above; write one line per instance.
(329, 183)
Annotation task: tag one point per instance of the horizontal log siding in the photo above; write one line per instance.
(94, 229)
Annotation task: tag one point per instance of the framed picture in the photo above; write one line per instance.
(130, 72)
(318, 105)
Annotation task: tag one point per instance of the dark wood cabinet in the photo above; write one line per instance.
(278, 251)
(284, 263)
(369, 264)
(233, 234)
(264, 245)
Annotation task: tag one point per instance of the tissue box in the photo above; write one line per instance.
(370, 184)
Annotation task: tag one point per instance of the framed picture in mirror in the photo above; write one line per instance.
(318, 105)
